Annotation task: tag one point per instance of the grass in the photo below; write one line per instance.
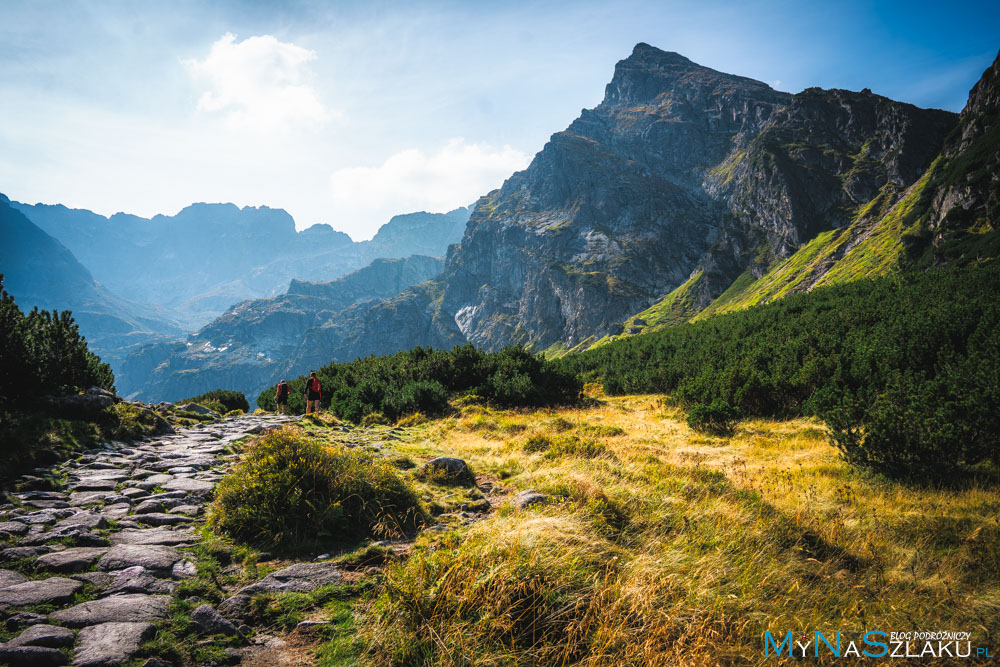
(670, 546)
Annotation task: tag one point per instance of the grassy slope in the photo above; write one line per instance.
(667, 546)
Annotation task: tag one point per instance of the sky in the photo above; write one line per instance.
(347, 113)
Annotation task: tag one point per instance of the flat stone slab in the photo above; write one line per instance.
(158, 559)
(138, 579)
(55, 590)
(10, 578)
(153, 536)
(82, 498)
(190, 485)
(51, 636)
(136, 608)
(13, 527)
(71, 560)
(162, 519)
(111, 643)
(298, 578)
(85, 519)
(34, 656)
(158, 480)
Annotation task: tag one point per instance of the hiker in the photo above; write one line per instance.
(281, 398)
(314, 392)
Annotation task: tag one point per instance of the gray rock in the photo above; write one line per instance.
(97, 579)
(137, 579)
(117, 608)
(43, 635)
(148, 507)
(450, 468)
(23, 619)
(161, 519)
(55, 590)
(189, 485)
(30, 656)
(71, 560)
(83, 498)
(13, 527)
(47, 504)
(156, 662)
(157, 480)
(187, 510)
(111, 643)
(10, 577)
(37, 518)
(84, 519)
(153, 536)
(237, 606)
(184, 569)
(298, 578)
(197, 409)
(527, 498)
(158, 559)
(207, 621)
(135, 494)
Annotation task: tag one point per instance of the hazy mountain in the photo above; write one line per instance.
(256, 342)
(40, 271)
(209, 256)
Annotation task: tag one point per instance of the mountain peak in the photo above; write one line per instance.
(644, 51)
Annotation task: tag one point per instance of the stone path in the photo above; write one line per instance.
(120, 528)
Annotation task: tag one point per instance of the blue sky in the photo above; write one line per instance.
(349, 112)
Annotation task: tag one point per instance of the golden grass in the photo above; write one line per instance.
(665, 546)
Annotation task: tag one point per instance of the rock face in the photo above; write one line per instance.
(964, 187)
(680, 168)
(256, 343)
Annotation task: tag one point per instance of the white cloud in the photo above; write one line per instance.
(411, 180)
(258, 83)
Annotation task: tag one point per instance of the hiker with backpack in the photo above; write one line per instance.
(281, 398)
(314, 392)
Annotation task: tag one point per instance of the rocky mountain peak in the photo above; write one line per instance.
(649, 73)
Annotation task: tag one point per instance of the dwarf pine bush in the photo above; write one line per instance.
(289, 489)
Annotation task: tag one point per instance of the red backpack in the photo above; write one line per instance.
(314, 385)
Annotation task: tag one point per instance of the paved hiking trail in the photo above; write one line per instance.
(87, 571)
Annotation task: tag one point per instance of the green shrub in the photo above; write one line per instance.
(423, 380)
(717, 418)
(221, 400)
(374, 419)
(290, 489)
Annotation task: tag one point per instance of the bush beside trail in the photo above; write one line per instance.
(289, 489)
(220, 400)
(423, 379)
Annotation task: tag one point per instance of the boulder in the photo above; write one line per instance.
(298, 578)
(528, 498)
(449, 468)
(207, 621)
(197, 409)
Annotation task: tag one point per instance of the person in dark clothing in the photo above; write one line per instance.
(281, 398)
(314, 392)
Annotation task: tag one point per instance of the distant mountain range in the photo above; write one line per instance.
(39, 271)
(209, 256)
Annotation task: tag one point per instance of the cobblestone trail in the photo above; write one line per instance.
(120, 528)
